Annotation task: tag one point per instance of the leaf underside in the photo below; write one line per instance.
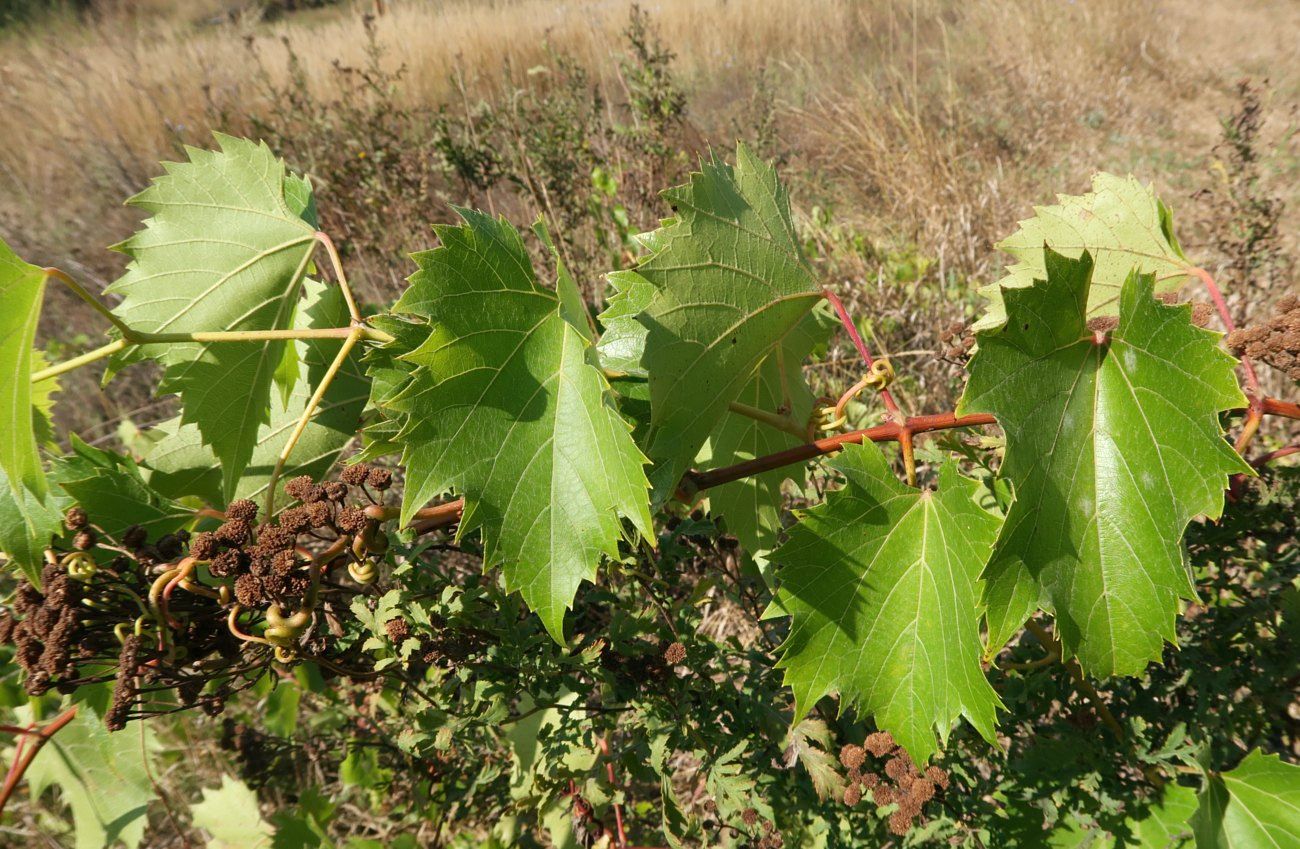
(179, 464)
(1112, 448)
(730, 282)
(1120, 223)
(880, 582)
(21, 288)
(752, 505)
(222, 250)
(102, 776)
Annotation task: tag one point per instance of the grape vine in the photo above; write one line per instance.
(491, 410)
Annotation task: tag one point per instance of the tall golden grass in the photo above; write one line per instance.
(924, 105)
(929, 123)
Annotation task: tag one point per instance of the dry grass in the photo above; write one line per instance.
(923, 108)
(925, 125)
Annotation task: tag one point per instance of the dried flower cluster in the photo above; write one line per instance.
(957, 342)
(187, 620)
(902, 782)
(1276, 341)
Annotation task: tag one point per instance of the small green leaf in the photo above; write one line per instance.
(1120, 223)
(880, 582)
(507, 407)
(1255, 806)
(101, 775)
(1112, 448)
(223, 250)
(229, 814)
(21, 288)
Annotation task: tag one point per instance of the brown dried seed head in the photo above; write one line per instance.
(203, 546)
(922, 790)
(350, 520)
(249, 592)
(273, 538)
(135, 537)
(938, 776)
(749, 816)
(233, 531)
(398, 629)
(284, 562)
(1103, 323)
(354, 475)
(84, 540)
(336, 491)
(853, 756)
(899, 823)
(242, 508)
(225, 564)
(870, 780)
(294, 519)
(896, 768)
(318, 514)
(884, 794)
(674, 654)
(852, 795)
(301, 488)
(75, 519)
(380, 479)
(879, 744)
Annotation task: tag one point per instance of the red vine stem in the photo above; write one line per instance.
(613, 783)
(23, 757)
(1255, 411)
(852, 330)
(448, 513)
(1260, 462)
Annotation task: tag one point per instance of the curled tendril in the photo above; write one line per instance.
(363, 572)
(80, 565)
(878, 377)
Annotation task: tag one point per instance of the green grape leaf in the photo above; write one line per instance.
(229, 814)
(114, 493)
(223, 250)
(752, 505)
(730, 282)
(1112, 449)
(881, 583)
(1158, 822)
(808, 743)
(622, 344)
(1120, 223)
(27, 525)
(102, 776)
(1255, 806)
(507, 407)
(43, 393)
(21, 288)
(1162, 824)
(179, 464)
